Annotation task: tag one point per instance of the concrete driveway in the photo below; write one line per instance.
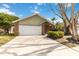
(35, 46)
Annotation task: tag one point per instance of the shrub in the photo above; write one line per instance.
(61, 34)
(59, 27)
(55, 34)
(49, 34)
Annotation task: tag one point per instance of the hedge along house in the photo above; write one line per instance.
(32, 25)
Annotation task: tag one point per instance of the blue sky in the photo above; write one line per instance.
(23, 10)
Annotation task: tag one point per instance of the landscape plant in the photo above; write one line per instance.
(55, 34)
(6, 21)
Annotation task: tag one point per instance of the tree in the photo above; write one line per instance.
(70, 24)
(6, 21)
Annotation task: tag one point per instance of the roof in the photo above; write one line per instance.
(15, 21)
(31, 16)
(34, 15)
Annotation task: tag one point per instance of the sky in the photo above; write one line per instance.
(23, 10)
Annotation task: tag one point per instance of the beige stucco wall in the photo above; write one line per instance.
(34, 20)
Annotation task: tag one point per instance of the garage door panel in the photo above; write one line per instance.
(30, 30)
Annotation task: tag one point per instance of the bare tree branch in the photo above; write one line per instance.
(63, 12)
(54, 12)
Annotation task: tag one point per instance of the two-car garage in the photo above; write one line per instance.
(30, 30)
(31, 25)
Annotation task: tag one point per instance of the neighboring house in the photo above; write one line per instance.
(1, 30)
(32, 25)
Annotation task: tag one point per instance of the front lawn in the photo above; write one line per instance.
(5, 39)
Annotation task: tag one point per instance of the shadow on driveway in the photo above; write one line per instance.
(41, 52)
(46, 51)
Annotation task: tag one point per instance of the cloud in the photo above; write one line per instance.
(35, 9)
(6, 5)
(36, 12)
(7, 11)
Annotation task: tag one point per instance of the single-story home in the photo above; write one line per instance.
(32, 25)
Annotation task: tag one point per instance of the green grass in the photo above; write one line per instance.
(5, 39)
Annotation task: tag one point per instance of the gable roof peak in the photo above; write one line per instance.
(35, 14)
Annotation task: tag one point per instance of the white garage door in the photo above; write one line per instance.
(30, 30)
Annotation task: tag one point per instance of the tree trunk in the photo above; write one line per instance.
(73, 23)
(69, 29)
(65, 18)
